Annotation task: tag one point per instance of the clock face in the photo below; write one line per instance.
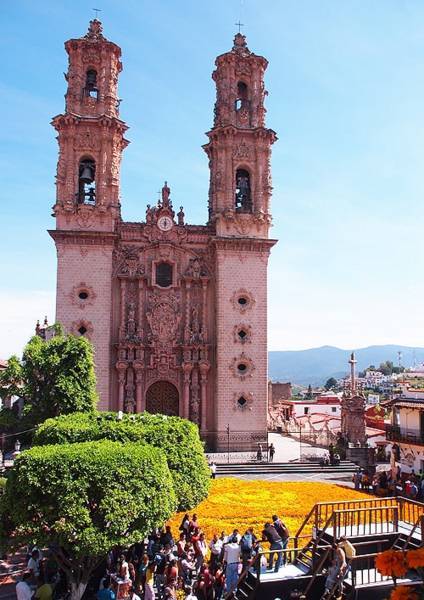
(165, 223)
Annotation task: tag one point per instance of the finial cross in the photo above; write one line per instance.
(239, 25)
(97, 10)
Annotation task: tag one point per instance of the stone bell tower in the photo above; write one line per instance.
(239, 151)
(87, 208)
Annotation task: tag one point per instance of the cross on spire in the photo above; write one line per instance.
(97, 10)
(239, 25)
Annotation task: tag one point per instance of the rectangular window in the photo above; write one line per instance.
(306, 410)
(334, 409)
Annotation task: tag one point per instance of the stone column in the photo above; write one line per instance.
(121, 381)
(204, 368)
(122, 323)
(140, 405)
(187, 369)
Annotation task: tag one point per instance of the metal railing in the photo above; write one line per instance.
(320, 513)
(411, 436)
(365, 521)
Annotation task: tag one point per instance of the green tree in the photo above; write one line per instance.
(330, 384)
(178, 438)
(83, 499)
(386, 367)
(54, 377)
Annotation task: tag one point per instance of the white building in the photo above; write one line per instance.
(407, 429)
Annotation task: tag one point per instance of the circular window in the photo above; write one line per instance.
(241, 401)
(82, 330)
(242, 367)
(242, 300)
(242, 334)
(83, 295)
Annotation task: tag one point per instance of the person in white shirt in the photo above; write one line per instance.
(232, 560)
(213, 470)
(33, 565)
(23, 590)
(215, 546)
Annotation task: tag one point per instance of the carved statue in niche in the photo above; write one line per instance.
(194, 401)
(129, 404)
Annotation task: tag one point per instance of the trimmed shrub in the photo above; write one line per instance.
(89, 497)
(178, 438)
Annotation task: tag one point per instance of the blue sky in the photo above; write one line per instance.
(346, 91)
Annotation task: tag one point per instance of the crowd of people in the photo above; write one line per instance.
(191, 566)
(385, 483)
(167, 567)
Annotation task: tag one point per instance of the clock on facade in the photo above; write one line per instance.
(165, 223)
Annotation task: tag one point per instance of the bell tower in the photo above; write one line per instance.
(87, 209)
(239, 147)
(239, 151)
(90, 135)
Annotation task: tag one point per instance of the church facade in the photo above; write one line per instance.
(177, 313)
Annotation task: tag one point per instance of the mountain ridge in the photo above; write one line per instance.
(315, 365)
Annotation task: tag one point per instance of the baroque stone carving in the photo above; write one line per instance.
(242, 300)
(82, 328)
(241, 151)
(82, 295)
(242, 333)
(163, 316)
(242, 366)
(129, 262)
(242, 401)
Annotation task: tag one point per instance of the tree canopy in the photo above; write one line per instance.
(54, 377)
(82, 499)
(330, 384)
(178, 438)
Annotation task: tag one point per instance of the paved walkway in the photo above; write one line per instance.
(287, 449)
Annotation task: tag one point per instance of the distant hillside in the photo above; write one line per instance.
(316, 365)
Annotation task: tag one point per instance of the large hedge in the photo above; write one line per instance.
(83, 499)
(178, 438)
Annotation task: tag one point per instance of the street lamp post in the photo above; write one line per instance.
(228, 443)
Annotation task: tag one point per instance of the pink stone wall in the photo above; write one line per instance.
(239, 271)
(92, 267)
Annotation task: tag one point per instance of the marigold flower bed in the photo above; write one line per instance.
(234, 503)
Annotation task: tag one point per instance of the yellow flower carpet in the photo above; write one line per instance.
(235, 503)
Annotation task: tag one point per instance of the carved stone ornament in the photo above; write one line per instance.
(242, 366)
(82, 328)
(242, 401)
(129, 262)
(241, 151)
(82, 295)
(85, 215)
(164, 316)
(242, 300)
(95, 31)
(87, 140)
(242, 333)
(196, 269)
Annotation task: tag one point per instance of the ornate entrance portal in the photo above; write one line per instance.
(162, 397)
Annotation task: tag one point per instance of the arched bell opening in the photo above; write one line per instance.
(243, 196)
(86, 181)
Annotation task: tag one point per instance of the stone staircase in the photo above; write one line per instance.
(296, 468)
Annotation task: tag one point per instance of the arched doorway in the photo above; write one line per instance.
(162, 397)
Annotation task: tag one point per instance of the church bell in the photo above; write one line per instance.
(86, 175)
